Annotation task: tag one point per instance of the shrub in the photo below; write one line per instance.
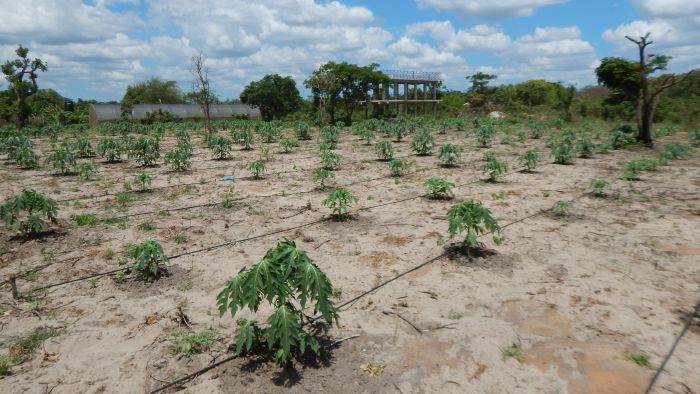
(245, 138)
(529, 159)
(85, 219)
(270, 133)
(23, 212)
(84, 147)
(145, 150)
(110, 149)
(287, 144)
(585, 149)
(563, 153)
(599, 186)
(399, 131)
(85, 170)
(634, 168)
(474, 219)
(339, 202)
(494, 169)
(620, 139)
(439, 188)
(399, 167)
(322, 176)
(694, 136)
(148, 260)
(178, 159)
(488, 155)
(536, 130)
(384, 150)
(62, 161)
(257, 168)
(220, 147)
(675, 151)
(289, 280)
(330, 160)
(143, 180)
(449, 155)
(423, 143)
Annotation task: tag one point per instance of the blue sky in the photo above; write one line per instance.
(96, 48)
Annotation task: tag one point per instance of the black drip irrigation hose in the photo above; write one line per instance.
(688, 322)
(431, 260)
(228, 243)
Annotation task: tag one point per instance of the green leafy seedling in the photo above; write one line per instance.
(474, 219)
(439, 188)
(24, 212)
(529, 159)
(322, 176)
(257, 168)
(599, 186)
(339, 202)
(148, 261)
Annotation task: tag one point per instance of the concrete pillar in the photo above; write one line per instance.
(415, 99)
(405, 97)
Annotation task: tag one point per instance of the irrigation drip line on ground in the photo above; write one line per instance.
(689, 320)
(228, 243)
(351, 301)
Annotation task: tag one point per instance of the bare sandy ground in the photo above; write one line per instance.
(572, 294)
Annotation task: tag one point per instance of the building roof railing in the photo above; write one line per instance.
(412, 75)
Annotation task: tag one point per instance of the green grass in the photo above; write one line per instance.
(85, 219)
(641, 358)
(186, 344)
(512, 351)
(26, 345)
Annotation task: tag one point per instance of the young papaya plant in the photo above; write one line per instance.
(322, 176)
(675, 151)
(257, 168)
(439, 188)
(330, 136)
(63, 161)
(561, 208)
(399, 167)
(536, 130)
(24, 212)
(220, 147)
(85, 170)
(145, 150)
(148, 261)
(143, 180)
(178, 159)
(529, 159)
(449, 155)
(485, 134)
(302, 130)
(563, 153)
(339, 202)
(110, 149)
(83, 147)
(694, 136)
(423, 143)
(585, 149)
(384, 150)
(289, 281)
(24, 157)
(599, 186)
(330, 160)
(494, 169)
(287, 144)
(367, 135)
(474, 219)
(399, 131)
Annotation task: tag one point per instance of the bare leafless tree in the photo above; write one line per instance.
(201, 88)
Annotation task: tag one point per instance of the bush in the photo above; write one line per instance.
(474, 219)
(384, 151)
(302, 131)
(187, 344)
(289, 280)
(439, 188)
(694, 136)
(367, 135)
(585, 149)
(561, 208)
(110, 149)
(143, 180)
(330, 136)
(24, 157)
(330, 160)
(619, 138)
(485, 134)
(599, 186)
(24, 211)
(287, 144)
(148, 258)
(423, 143)
(529, 159)
(494, 169)
(449, 155)
(675, 151)
(339, 202)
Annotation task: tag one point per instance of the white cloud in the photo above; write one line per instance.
(478, 38)
(674, 28)
(487, 9)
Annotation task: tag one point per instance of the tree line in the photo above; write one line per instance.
(340, 91)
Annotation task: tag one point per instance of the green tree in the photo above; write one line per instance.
(631, 82)
(21, 74)
(276, 96)
(153, 91)
(479, 82)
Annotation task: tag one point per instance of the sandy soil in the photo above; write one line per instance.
(571, 294)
